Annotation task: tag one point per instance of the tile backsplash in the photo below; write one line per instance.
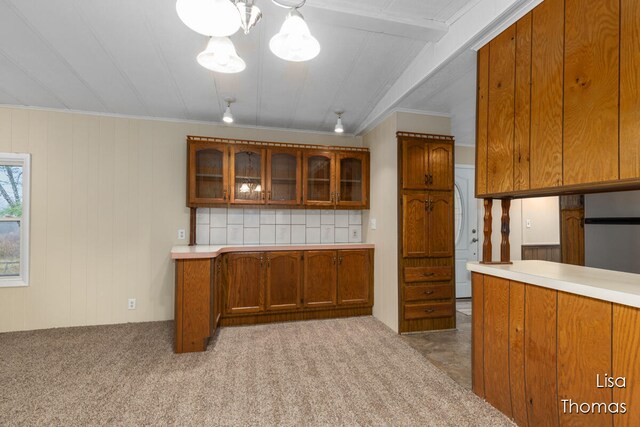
(237, 226)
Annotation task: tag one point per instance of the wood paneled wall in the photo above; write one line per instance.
(107, 199)
(532, 347)
(542, 252)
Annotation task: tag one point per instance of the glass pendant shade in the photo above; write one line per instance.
(294, 42)
(227, 117)
(217, 18)
(244, 188)
(250, 14)
(339, 128)
(220, 56)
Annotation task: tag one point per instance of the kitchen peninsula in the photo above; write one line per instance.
(240, 285)
(545, 335)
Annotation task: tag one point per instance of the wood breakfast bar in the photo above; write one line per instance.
(557, 344)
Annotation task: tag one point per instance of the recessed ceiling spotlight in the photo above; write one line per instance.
(339, 128)
(221, 56)
(227, 117)
(217, 18)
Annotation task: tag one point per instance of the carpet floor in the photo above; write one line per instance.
(327, 372)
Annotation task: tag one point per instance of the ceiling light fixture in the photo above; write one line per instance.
(250, 14)
(290, 4)
(217, 18)
(227, 117)
(294, 42)
(339, 128)
(221, 56)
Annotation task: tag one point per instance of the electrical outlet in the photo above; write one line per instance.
(182, 234)
(131, 304)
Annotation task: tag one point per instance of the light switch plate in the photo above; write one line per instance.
(528, 223)
(373, 224)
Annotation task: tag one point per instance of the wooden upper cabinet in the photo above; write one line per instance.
(354, 277)
(629, 89)
(320, 279)
(284, 176)
(591, 59)
(522, 137)
(318, 173)
(440, 166)
(283, 281)
(482, 126)
(501, 113)
(415, 158)
(547, 47)
(427, 165)
(415, 225)
(351, 179)
(207, 173)
(247, 175)
(440, 230)
(244, 282)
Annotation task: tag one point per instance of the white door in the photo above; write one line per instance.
(466, 227)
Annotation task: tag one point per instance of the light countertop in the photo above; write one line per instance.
(212, 251)
(606, 285)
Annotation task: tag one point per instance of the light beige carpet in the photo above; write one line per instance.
(327, 372)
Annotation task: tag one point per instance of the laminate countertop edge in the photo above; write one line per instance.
(606, 285)
(212, 251)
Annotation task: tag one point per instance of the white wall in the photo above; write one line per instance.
(384, 204)
(613, 247)
(107, 199)
(544, 216)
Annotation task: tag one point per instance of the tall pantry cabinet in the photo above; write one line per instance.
(426, 232)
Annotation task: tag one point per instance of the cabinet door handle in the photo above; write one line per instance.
(340, 260)
(429, 292)
(332, 196)
(427, 274)
(430, 179)
(224, 195)
(338, 197)
(426, 179)
(429, 310)
(334, 260)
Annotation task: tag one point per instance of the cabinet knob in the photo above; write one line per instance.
(428, 292)
(429, 310)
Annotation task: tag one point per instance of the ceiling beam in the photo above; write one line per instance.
(482, 19)
(374, 20)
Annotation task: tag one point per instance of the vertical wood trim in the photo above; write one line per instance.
(501, 114)
(496, 343)
(505, 246)
(547, 53)
(178, 304)
(477, 334)
(584, 351)
(629, 89)
(482, 107)
(486, 244)
(541, 356)
(517, 297)
(192, 226)
(626, 353)
(522, 138)
(591, 78)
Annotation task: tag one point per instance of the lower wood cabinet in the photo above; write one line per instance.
(242, 288)
(320, 279)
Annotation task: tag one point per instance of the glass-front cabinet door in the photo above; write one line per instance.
(319, 183)
(247, 175)
(208, 173)
(284, 176)
(351, 179)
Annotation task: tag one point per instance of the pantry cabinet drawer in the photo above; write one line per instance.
(427, 274)
(426, 311)
(428, 292)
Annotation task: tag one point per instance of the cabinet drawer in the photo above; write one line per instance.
(428, 292)
(426, 311)
(427, 274)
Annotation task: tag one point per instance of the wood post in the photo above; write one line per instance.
(505, 246)
(486, 244)
(192, 226)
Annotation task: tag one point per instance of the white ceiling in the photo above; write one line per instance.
(138, 58)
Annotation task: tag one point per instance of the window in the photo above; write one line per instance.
(14, 219)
